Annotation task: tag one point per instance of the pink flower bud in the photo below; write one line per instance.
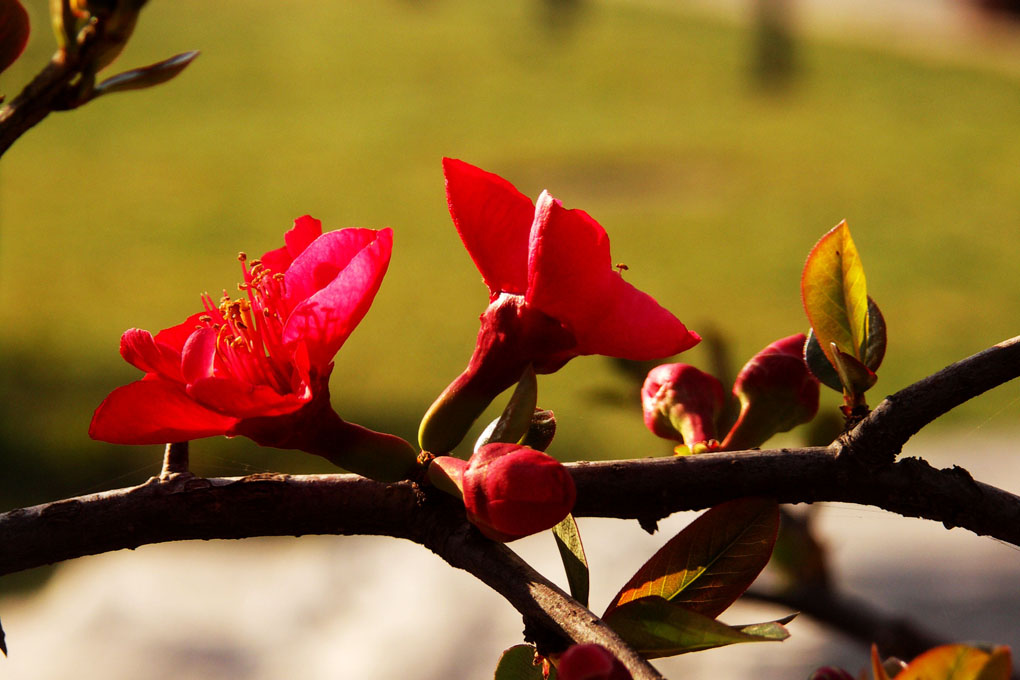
(512, 491)
(591, 662)
(777, 392)
(682, 403)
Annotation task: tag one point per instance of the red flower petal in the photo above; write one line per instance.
(632, 325)
(142, 351)
(493, 220)
(198, 355)
(154, 412)
(176, 336)
(321, 263)
(305, 230)
(339, 295)
(571, 278)
(244, 400)
(568, 263)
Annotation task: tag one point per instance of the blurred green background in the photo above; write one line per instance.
(713, 175)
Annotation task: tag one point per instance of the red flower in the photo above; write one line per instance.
(259, 365)
(590, 662)
(511, 491)
(553, 295)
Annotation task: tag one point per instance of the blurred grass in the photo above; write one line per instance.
(713, 191)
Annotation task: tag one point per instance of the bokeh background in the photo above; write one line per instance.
(716, 142)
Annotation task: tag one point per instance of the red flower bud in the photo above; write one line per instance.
(512, 491)
(591, 662)
(13, 32)
(777, 392)
(682, 403)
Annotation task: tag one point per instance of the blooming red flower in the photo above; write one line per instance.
(553, 295)
(259, 365)
(511, 491)
(590, 662)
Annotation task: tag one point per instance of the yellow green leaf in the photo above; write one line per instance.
(568, 542)
(835, 294)
(948, 662)
(656, 628)
(999, 666)
(709, 564)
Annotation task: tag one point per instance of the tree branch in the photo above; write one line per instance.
(181, 506)
(879, 438)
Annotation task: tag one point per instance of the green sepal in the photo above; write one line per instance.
(515, 421)
(446, 473)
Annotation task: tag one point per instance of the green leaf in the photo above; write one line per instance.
(709, 564)
(655, 627)
(515, 421)
(568, 541)
(14, 31)
(875, 347)
(835, 294)
(518, 663)
(957, 662)
(819, 363)
(147, 76)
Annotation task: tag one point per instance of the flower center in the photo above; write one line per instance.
(250, 329)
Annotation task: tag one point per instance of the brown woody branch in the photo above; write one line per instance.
(879, 438)
(66, 81)
(185, 507)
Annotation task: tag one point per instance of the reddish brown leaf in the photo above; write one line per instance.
(712, 561)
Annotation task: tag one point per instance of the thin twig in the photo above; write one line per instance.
(878, 439)
(175, 460)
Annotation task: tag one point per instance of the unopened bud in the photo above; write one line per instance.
(776, 391)
(682, 403)
(512, 491)
(590, 662)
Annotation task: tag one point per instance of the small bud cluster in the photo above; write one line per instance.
(775, 391)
